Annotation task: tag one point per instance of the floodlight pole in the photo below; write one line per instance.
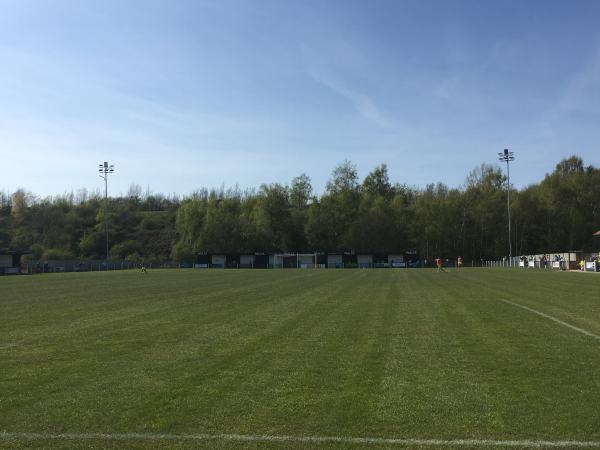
(507, 157)
(104, 170)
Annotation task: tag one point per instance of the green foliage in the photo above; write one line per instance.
(344, 179)
(37, 250)
(377, 183)
(57, 253)
(65, 227)
(559, 213)
(300, 191)
(125, 249)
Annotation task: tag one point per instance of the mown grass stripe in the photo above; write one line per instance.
(554, 319)
(303, 439)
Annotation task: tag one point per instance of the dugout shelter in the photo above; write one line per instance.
(364, 260)
(218, 261)
(203, 260)
(246, 261)
(10, 261)
(321, 260)
(350, 260)
(261, 261)
(232, 260)
(335, 260)
(411, 258)
(396, 260)
(380, 260)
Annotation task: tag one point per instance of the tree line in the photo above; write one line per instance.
(371, 215)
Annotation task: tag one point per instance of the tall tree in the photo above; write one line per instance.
(377, 183)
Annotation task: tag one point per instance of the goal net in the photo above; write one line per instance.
(294, 260)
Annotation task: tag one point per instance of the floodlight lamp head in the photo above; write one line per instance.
(506, 156)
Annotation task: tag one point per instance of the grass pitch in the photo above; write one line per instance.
(377, 354)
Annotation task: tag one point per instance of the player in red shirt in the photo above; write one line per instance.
(439, 263)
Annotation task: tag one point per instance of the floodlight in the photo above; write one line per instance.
(507, 157)
(105, 169)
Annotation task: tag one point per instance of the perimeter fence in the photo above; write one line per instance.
(94, 265)
(572, 260)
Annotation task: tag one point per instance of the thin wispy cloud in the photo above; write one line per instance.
(582, 88)
(360, 101)
(580, 94)
(336, 67)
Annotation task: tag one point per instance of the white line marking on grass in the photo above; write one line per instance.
(306, 439)
(554, 319)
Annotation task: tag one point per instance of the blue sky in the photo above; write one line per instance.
(187, 94)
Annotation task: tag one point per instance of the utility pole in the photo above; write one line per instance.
(507, 157)
(104, 170)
